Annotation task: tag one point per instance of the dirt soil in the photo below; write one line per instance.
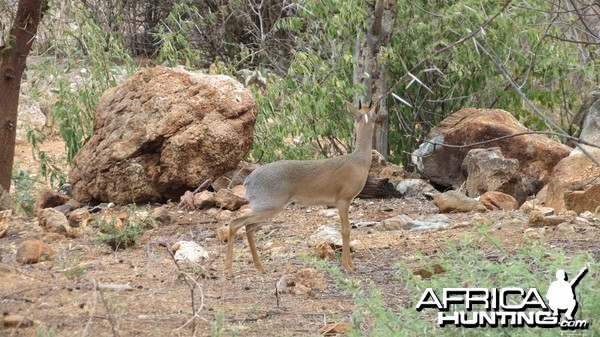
(60, 294)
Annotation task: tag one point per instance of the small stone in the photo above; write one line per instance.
(114, 220)
(589, 215)
(226, 199)
(162, 216)
(328, 213)
(538, 219)
(204, 199)
(239, 190)
(426, 272)
(453, 201)
(362, 224)
(428, 222)
(325, 234)
(536, 205)
(356, 245)
(415, 188)
(565, 227)
(266, 228)
(531, 233)
(122, 215)
(325, 250)
(223, 233)
(301, 282)
(79, 217)
(14, 321)
(396, 223)
(189, 251)
(493, 200)
(579, 221)
(212, 211)
(33, 251)
(54, 221)
(224, 215)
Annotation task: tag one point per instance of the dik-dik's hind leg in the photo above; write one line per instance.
(234, 225)
(248, 220)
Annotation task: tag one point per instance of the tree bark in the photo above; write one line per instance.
(12, 65)
(373, 73)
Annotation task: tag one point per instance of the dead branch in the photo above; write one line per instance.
(108, 313)
(574, 139)
(192, 286)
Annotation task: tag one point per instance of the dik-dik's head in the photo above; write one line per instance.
(363, 114)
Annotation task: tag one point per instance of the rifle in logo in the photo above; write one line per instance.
(561, 294)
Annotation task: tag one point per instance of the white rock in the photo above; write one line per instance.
(426, 222)
(415, 188)
(325, 234)
(328, 213)
(189, 251)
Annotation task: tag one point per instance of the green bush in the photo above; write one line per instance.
(24, 192)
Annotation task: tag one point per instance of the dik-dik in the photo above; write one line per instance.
(333, 181)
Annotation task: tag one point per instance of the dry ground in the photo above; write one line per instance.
(60, 295)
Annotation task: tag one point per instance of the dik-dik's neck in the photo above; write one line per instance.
(364, 141)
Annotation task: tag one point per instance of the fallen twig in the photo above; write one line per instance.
(108, 313)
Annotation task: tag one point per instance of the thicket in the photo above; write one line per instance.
(443, 56)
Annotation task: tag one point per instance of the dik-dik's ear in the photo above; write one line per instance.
(353, 110)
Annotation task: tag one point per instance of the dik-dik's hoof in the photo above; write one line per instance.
(260, 268)
(349, 267)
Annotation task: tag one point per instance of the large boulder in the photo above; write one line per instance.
(537, 154)
(575, 184)
(575, 181)
(162, 132)
(488, 170)
(383, 169)
(590, 124)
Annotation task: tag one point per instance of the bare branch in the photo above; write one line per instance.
(505, 74)
(574, 139)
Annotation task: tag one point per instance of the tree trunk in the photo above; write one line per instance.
(12, 64)
(378, 188)
(370, 71)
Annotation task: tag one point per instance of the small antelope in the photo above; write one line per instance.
(333, 181)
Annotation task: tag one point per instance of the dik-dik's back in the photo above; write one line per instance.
(309, 182)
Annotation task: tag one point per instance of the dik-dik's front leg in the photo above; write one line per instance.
(343, 208)
(250, 235)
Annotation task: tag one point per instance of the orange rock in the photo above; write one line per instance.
(575, 184)
(497, 200)
(34, 251)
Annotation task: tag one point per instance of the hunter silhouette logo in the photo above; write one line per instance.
(511, 306)
(561, 294)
